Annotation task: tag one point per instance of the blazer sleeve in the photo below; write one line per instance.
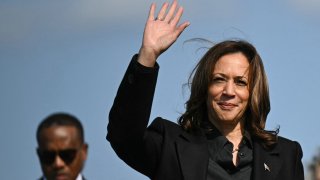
(299, 172)
(129, 116)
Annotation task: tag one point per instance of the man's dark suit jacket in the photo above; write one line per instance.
(164, 151)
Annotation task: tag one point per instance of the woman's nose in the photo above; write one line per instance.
(229, 89)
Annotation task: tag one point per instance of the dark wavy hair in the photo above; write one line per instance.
(195, 118)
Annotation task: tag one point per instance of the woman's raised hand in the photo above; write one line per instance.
(160, 32)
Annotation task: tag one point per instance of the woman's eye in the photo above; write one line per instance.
(241, 83)
(218, 80)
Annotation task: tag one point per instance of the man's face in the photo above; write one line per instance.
(61, 153)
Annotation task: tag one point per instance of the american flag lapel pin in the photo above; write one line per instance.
(266, 167)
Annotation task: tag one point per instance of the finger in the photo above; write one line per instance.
(163, 11)
(181, 28)
(177, 17)
(151, 12)
(171, 11)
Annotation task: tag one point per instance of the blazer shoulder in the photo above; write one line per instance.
(174, 131)
(163, 125)
(284, 144)
(282, 141)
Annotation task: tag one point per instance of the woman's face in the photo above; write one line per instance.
(228, 92)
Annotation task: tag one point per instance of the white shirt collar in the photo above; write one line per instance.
(79, 177)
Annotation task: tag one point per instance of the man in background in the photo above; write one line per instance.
(314, 168)
(62, 150)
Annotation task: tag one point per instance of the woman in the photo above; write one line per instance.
(221, 135)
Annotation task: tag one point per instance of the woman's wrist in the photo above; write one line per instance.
(147, 57)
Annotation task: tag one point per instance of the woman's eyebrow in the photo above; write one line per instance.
(220, 74)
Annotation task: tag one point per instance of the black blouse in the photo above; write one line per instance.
(220, 164)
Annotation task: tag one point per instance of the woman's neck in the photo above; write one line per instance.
(233, 132)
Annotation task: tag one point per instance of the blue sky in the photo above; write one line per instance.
(71, 55)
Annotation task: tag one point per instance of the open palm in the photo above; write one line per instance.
(162, 31)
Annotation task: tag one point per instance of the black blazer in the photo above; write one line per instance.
(164, 151)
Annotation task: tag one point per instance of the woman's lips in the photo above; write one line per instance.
(226, 106)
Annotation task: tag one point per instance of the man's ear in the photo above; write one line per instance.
(84, 151)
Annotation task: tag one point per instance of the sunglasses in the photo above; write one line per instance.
(48, 157)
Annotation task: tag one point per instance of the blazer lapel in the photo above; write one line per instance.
(266, 164)
(193, 156)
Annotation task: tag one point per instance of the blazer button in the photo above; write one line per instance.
(241, 155)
